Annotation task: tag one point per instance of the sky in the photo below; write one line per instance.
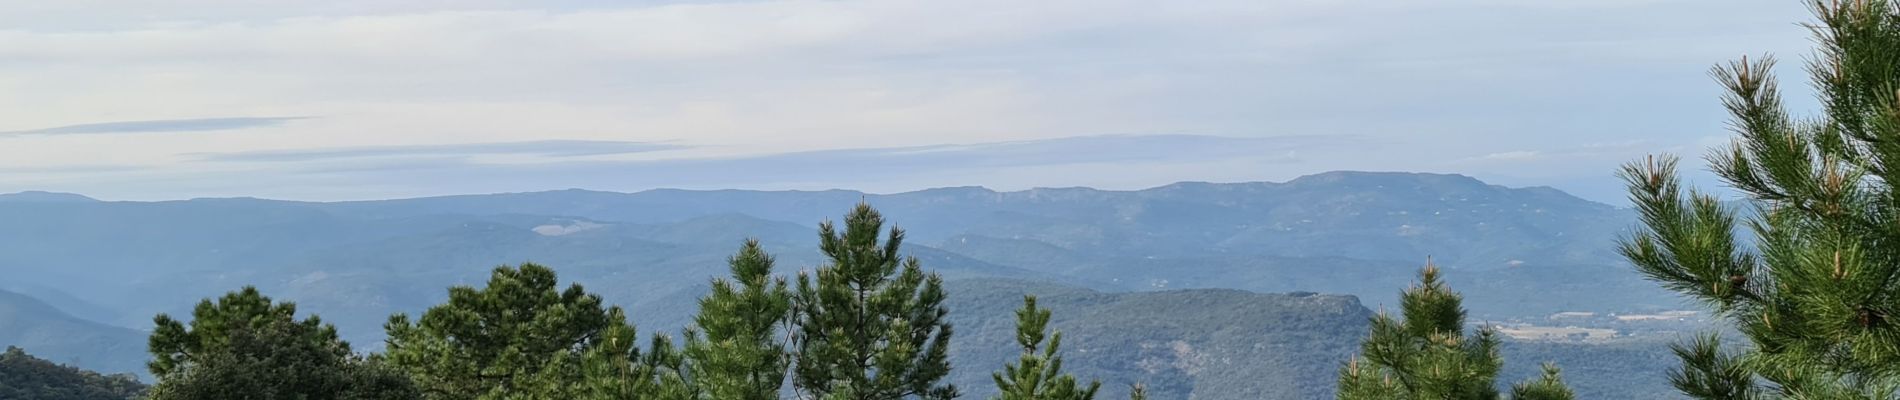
(372, 99)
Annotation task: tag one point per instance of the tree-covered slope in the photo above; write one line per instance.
(1520, 291)
(23, 376)
(1526, 251)
(1204, 344)
(1229, 344)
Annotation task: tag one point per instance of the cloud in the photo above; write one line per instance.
(1109, 161)
(67, 169)
(1104, 161)
(160, 126)
(540, 148)
(774, 83)
(1593, 151)
(1511, 155)
(1059, 151)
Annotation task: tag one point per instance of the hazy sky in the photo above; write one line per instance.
(361, 99)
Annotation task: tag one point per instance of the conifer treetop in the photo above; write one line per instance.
(871, 324)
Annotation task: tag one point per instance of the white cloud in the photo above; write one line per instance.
(1511, 155)
(759, 77)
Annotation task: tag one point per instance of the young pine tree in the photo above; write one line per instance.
(1038, 375)
(1816, 294)
(1429, 356)
(616, 369)
(870, 322)
(734, 353)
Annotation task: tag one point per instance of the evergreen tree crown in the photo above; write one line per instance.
(1816, 292)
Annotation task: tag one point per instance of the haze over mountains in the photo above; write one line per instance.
(103, 267)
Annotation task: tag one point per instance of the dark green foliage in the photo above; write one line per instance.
(175, 345)
(735, 352)
(1549, 386)
(1429, 356)
(1816, 294)
(1709, 373)
(517, 335)
(617, 369)
(871, 323)
(1038, 375)
(277, 360)
(23, 376)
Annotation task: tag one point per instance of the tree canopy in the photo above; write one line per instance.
(1815, 295)
(276, 361)
(176, 345)
(502, 338)
(1038, 374)
(735, 351)
(1428, 355)
(871, 321)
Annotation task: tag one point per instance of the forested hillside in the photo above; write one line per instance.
(1255, 236)
(1368, 215)
(1226, 344)
(654, 252)
(1215, 344)
(23, 376)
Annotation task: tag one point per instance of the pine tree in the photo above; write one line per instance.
(517, 335)
(735, 353)
(870, 323)
(1038, 375)
(175, 345)
(1428, 355)
(666, 369)
(1816, 294)
(1137, 392)
(617, 369)
(277, 361)
(1548, 386)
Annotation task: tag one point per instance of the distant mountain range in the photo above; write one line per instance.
(1366, 215)
(1513, 251)
(44, 197)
